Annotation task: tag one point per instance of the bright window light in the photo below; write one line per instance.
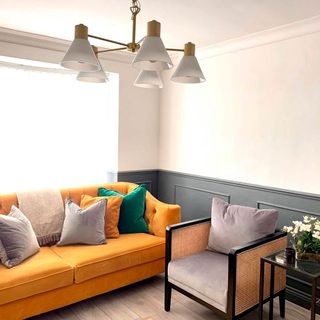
(56, 131)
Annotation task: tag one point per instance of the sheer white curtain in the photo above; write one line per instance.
(54, 130)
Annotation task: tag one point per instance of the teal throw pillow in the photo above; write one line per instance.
(132, 209)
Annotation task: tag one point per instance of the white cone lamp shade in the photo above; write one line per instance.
(152, 55)
(149, 79)
(80, 56)
(95, 76)
(188, 70)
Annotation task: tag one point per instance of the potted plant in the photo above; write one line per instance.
(306, 238)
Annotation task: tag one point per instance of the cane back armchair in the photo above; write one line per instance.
(227, 284)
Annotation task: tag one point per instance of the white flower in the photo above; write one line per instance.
(316, 235)
(306, 219)
(297, 223)
(287, 229)
(305, 227)
(317, 225)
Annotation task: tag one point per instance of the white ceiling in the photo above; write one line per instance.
(204, 22)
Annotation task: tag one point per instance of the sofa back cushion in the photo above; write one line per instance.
(7, 200)
(233, 225)
(156, 215)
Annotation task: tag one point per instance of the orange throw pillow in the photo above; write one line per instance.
(112, 212)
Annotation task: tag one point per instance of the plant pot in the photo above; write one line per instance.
(308, 256)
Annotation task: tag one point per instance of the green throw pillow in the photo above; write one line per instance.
(132, 209)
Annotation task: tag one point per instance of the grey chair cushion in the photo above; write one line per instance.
(205, 275)
(233, 225)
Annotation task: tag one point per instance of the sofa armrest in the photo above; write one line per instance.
(244, 271)
(187, 238)
(159, 215)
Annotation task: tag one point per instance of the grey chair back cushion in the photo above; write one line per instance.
(83, 226)
(17, 238)
(233, 225)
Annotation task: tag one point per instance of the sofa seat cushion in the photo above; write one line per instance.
(205, 275)
(124, 252)
(42, 272)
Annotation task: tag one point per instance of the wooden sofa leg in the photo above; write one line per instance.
(282, 303)
(167, 296)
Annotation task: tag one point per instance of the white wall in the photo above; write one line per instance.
(255, 120)
(138, 125)
(138, 108)
(138, 121)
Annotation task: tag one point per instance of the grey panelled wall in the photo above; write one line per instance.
(147, 177)
(194, 194)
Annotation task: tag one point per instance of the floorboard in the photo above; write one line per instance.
(144, 301)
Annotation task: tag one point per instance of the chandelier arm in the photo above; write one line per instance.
(114, 49)
(173, 49)
(108, 40)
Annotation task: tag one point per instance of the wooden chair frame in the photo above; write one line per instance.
(232, 271)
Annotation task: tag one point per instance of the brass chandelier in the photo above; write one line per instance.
(151, 58)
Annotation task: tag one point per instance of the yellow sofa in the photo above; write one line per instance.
(58, 276)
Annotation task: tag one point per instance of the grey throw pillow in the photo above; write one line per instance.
(233, 225)
(17, 238)
(83, 226)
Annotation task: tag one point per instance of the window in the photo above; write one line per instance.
(56, 131)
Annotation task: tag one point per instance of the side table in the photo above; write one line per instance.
(307, 268)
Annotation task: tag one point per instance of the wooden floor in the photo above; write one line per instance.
(144, 301)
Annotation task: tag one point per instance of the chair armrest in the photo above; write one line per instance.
(256, 243)
(159, 215)
(187, 238)
(244, 271)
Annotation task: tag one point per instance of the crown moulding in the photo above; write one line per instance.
(11, 40)
(265, 37)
